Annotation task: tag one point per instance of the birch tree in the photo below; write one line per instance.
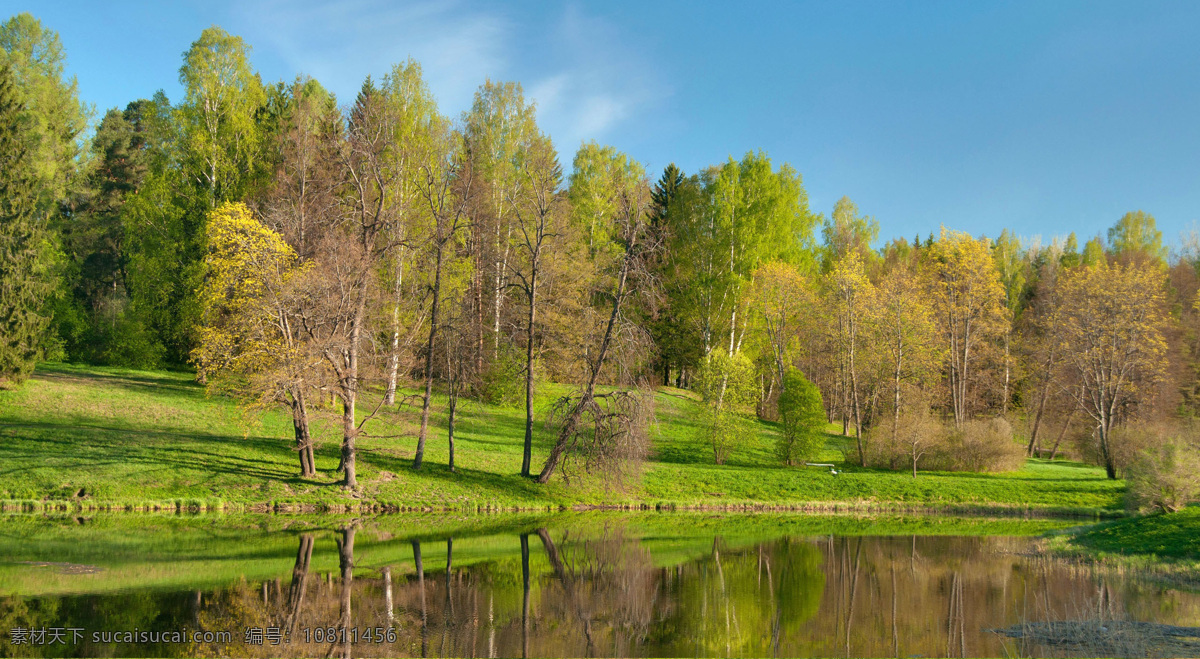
(1112, 342)
(968, 304)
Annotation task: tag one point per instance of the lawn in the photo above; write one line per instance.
(1171, 535)
(93, 436)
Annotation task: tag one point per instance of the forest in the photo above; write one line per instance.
(366, 257)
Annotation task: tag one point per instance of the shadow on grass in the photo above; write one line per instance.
(86, 444)
(133, 381)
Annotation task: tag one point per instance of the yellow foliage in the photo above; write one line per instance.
(246, 330)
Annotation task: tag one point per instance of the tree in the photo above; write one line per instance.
(51, 112)
(782, 300)
(727, 385)
(968, 298)
(669, 324)
(444, 191)
(610, 437)
(1112, 342)
(496, 126)
(251, 341)
(803, 415)
(903, 324)
(221, 96)
(537, 212)
(419, 147)
(846, 231)
(1010, 264)
(93, 318)
(25, 244)
(1136, 236)
(851, 296)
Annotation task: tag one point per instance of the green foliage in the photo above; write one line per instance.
(53, 117)
(802, 413)
(1136, 235)
(502, 382)
(846, 231)
(1093, 252)
(1166, 477)
(26, 248)
(729, 388)
(219, 135)
(92, 317)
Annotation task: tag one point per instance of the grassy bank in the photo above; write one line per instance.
(1171, 536)
(77, 437)
(1163, 547)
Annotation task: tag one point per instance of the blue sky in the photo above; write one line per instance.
(1044, 117)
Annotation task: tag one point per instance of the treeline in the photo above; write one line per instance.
(295, 250)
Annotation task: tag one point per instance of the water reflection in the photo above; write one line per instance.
(612, 590)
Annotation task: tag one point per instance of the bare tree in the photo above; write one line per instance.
(615, 431)
(447, 206)
(537, 210)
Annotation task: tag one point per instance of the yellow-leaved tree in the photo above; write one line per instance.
(968, 302)
(249, 342)
(851, 296)
(1112, 342)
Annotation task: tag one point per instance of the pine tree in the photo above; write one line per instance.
(24, 245)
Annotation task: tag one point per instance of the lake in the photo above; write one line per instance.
(569, 584)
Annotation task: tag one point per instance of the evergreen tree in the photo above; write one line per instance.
(25, 245)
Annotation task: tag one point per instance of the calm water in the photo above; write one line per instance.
(575, 585)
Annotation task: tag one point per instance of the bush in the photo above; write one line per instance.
(730, 391)
(1165, 477)
(985, 445)
(802, 413)
(979, 446)
(1126, 444)
(916, 441)
(503, 380)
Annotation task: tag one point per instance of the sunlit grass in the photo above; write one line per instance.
(87, 436)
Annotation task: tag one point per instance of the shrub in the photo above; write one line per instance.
(503, 380)
(1126, 444)
(1165, 477)
(802, 413)
(923, 442)
(984, 445)
(915, 443)
(730, 391)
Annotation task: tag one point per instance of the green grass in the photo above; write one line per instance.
(87, 437)
(1172, 535)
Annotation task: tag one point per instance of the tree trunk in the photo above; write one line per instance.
(1062, 433)
(303, 434)
(346, 563)
(896, 417)
(419, 457)
(394, 356)
(525, 595)
(416, 549)
(348, 432)
(527, 456)
(450, 429)
(1037, 417)
(299, 581)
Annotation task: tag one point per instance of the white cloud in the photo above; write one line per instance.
(339, 43)
(601, 81)
(586, 77)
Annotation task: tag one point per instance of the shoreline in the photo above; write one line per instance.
(218, 506)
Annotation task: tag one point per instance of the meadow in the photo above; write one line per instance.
(79, 437)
